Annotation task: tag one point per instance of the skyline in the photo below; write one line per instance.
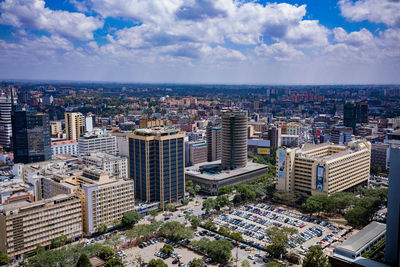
(201, 41)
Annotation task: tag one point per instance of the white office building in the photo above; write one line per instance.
(115, 166)
(97, 141)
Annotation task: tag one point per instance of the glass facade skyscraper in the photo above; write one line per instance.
(31, 136)
(156, 158)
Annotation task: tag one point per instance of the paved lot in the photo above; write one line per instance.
(253, 220)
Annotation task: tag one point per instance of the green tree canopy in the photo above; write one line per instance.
(222, 201)
(83, 261)
(157, 263)
(175, 231)
(245, 263)
(209, 204)
(130, 218)
(279, 238)
(106, 253)
(4, 259)
(218, 250)
(194, 220)
(225, 190)
(197, 263)
(114, 262)
(167, 249)
(210, 225)
(315, 257)
(102, 228)
(170, 207)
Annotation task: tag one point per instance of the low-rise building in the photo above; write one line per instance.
(67, 147)
(97, 141)
(115, 166)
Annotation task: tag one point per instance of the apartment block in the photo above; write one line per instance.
(74, 125)
(24, 225)
(104, 200)
(195, 152)
(214, 143)
(323, 169)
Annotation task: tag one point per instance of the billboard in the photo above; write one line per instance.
(263, 151)
(319, 182)
(281, 163)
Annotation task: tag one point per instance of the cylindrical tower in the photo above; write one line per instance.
(234, 139)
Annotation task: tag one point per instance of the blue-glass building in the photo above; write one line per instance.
(157, 164)
(31, 136)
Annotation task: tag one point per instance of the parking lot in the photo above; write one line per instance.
(253, 220)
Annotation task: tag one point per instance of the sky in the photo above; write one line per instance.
(202, 41)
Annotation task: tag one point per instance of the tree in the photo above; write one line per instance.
(274, 264)
(220, 250)
(222, 201)
(102, 228)
(342, 200)
(175, 231)
(209, 204)
(157, 263)
(114, 241)
(224, 230)
(153, 213)
(245, 263)
(114, 262)
(225, 190)
(210, 225)
(4, 259)
(130, 218)
(39, 249)
(185, 202)
(376, 169)
(358, 216)
(194, 221)
(59, 241)
(284, 197)
(318, 203)
(197, 263)
(167, 249)
(170, 207)
(106, 253)
(279, 238)
(315, 257)
(237, 236)
(83, 261)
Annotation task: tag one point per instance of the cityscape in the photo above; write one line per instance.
(199, 133)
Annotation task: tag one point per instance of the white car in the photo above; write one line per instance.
(251, 257)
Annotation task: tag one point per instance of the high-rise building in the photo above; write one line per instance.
(350, 116)
(392, 248)
(214, 143)
(380, 154)
(89, 123)
(74, 125)
(234, 139)
(323, 169)
(31, 136)
(157, 164)
(274, 135)
(26, 224)
(5, 121)
(362, 112)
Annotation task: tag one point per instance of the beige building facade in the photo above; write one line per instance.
(324, 168)
(74, 125)
(24, 225)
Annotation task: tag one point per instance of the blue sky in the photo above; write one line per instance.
(202, 41)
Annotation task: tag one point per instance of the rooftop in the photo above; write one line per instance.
(358, 241)
(194, 170)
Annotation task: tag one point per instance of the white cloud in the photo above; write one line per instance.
(378, 11)
(34, 15)
(278, 52)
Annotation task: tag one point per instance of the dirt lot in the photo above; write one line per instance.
(147, 254)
